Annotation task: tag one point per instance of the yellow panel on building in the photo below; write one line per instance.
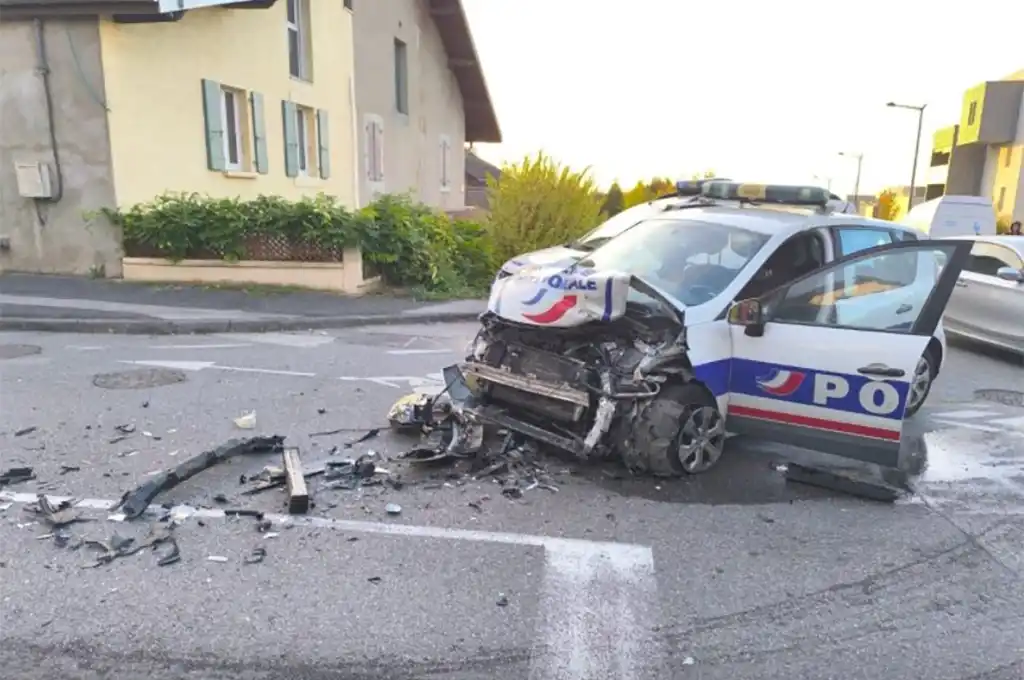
(208, 104)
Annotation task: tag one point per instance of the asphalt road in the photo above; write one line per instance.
(735, 574)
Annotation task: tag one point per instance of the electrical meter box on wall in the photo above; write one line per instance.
(33, 180)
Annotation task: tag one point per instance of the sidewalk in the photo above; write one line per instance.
(32, 302)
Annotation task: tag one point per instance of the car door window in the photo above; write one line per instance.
(988, 258)
(849, 294)
(855, 239)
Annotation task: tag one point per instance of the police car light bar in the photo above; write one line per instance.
(694, 187)
(778, 194)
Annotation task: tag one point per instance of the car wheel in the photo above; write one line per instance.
(921, 382)
(681, 431)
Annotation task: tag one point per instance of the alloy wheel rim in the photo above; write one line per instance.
(701, 439)
(921, 382)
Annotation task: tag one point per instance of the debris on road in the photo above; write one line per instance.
(502, 600)
(135, 502)
(393, 509)
(64, 469)
(16, 475)
(295, 481)
(246, 421)
(24, 431)
(256, 556)
(216, 558)
(62, 515)
(124, 546)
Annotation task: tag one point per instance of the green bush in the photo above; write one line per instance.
(539, 203)
(410, 244)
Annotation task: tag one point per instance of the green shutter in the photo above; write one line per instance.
(213, 102)
(291, 139)
(323, 134)
(259, 134)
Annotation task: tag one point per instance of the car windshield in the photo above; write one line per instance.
(692, 261)
(614, 226)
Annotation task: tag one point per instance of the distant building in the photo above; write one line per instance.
(421, 96)
(983, 155)
(477, 171)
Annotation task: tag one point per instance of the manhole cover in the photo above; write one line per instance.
(1005, 397)
(17, 351)
(138, 379)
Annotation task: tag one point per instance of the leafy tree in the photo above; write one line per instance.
(537, 203)
(640, 193)
(613, 200)
(707, 174)
(888, 206)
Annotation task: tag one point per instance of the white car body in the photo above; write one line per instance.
(525, 289)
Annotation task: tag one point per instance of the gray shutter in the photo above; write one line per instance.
(261, 159)
(213, 118)
(323, 133)
(291, 139)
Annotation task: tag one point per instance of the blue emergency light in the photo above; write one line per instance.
(694, 187)
(778, 194)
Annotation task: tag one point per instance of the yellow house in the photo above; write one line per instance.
(218, 97)
(983, 155)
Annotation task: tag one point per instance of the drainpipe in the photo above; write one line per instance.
(43, 68)
(356, 169)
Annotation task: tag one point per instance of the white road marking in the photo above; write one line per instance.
(598, 600)
(87, 348)
(968, 426)
(966, 414)
(296, 340)
(430, 383)
(403, 352)
(202, 365)
(198, 346)
(1014, 423)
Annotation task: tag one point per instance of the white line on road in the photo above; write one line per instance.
(201, 365)
(403, 352)
(198, 346)
(967, 426)
(599, 601)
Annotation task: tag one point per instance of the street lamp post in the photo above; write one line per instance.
(860, 163)
(917, 144)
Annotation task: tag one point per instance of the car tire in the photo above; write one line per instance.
(679, 432)
(921, 382)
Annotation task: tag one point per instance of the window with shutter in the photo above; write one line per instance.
(373, 159)
(446, 159)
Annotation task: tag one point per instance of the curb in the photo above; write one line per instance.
(208, 326)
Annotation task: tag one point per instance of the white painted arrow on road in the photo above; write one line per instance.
(203, 365)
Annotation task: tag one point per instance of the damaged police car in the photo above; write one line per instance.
(740, 309)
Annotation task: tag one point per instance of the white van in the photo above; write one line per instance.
(948, 216)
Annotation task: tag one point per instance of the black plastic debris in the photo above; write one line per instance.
(172, 556)
(502, 600)
(256, 556)
(64, 469)
(16, 475)
(26, 430)
(135, 502)
(124, 546)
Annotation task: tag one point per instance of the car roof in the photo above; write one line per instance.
(784, 221)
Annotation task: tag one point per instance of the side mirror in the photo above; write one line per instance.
(1011, 274)
(746, 313)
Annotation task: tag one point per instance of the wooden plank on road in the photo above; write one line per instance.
(298, 493)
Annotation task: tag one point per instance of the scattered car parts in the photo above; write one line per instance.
(298, 494)
(135, 502)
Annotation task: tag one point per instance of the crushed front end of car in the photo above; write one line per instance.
(582, 377)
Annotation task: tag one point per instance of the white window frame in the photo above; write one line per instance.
(446, 163)
(373, 135)
(233, 128)
(300, 28)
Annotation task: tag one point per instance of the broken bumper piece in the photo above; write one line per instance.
(135, 502)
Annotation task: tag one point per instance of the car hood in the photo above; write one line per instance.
(563, 295)
(547, 257)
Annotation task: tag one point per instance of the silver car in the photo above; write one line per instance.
(987, 304)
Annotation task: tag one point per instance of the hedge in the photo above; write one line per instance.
(411, 245)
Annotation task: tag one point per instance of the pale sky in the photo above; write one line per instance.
(757, 91)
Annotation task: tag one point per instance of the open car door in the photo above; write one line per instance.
(820, 365)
